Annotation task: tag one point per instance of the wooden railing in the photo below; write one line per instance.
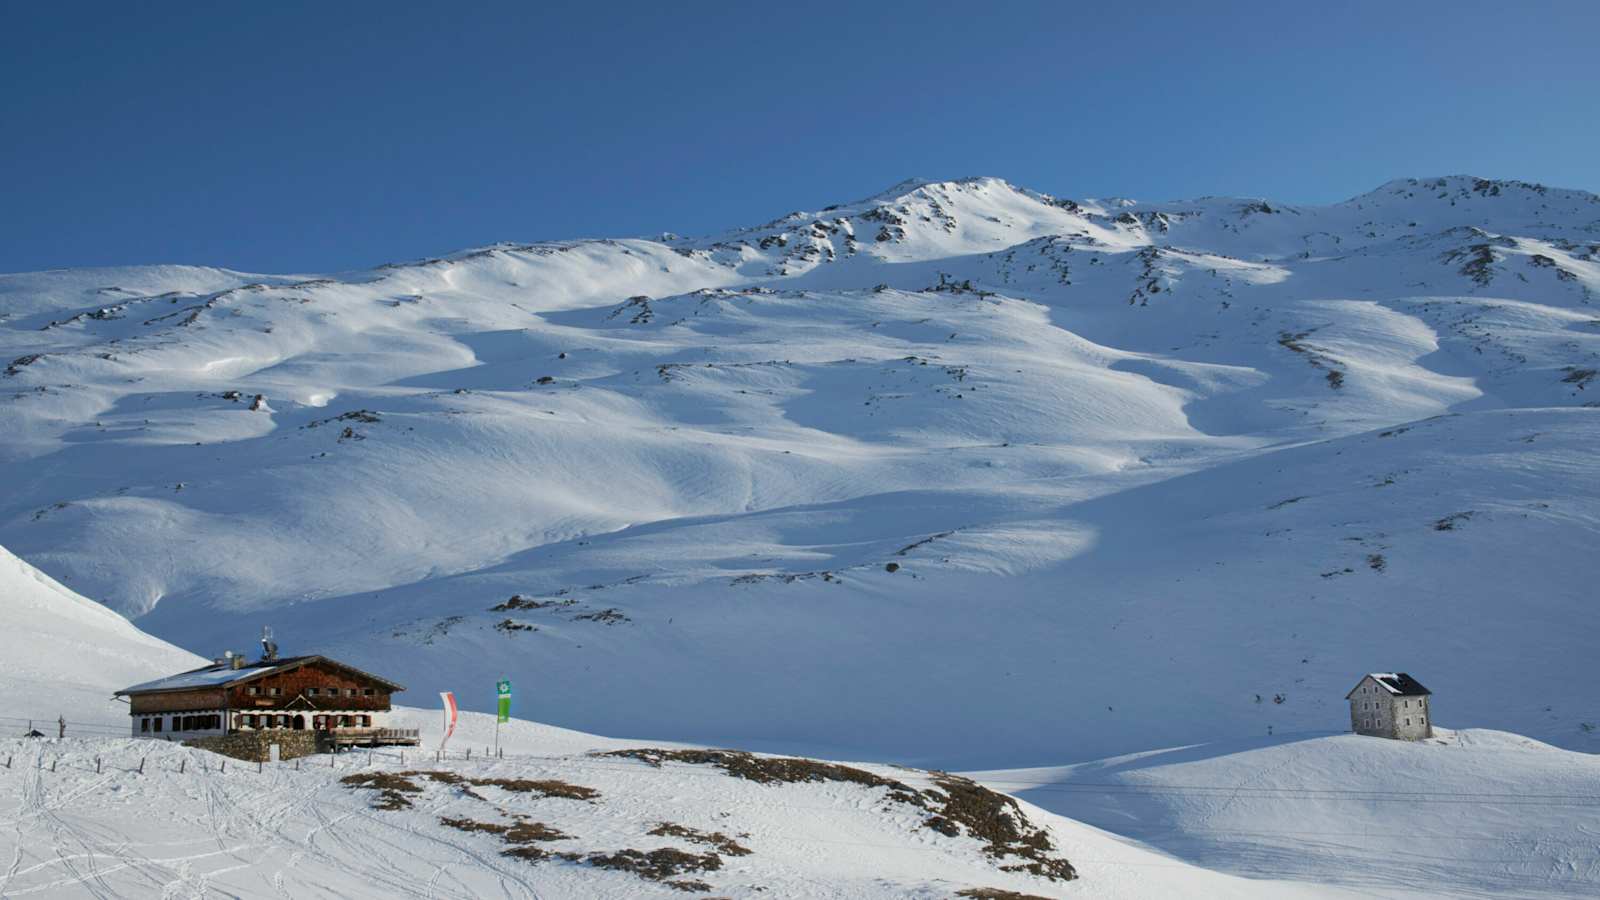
(376, 735)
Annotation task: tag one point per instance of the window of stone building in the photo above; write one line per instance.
(144, 725)
(156, 724)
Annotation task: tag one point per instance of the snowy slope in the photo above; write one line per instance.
(79, 823)
(1468, 814)
(62, 654)
(960, 474)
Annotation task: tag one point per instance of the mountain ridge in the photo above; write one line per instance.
(626, 468)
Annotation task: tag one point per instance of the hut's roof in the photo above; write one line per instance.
(1397, 683)
(223, 674)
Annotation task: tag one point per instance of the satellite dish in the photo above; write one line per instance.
(269, 647)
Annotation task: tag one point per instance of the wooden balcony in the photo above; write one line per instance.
(373, 737)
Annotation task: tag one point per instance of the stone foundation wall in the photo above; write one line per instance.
(252, 746)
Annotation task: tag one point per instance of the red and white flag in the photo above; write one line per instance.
(449, 716)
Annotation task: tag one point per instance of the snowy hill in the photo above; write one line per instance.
(1466, 814)
(65, 654)
(960, 474)
(593, 819)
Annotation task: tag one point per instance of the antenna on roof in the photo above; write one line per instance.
(269, 647)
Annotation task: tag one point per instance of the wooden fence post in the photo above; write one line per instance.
(182, 764)
(97, 765)
(141, 765)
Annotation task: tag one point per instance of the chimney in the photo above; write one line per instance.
(236, 660)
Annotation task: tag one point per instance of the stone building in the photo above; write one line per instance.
(1391, 705)
(340, 703)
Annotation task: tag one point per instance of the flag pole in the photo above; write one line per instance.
(502, 712)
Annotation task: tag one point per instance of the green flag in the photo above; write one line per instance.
(504, 689)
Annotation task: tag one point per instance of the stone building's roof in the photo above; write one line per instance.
(1398, 684)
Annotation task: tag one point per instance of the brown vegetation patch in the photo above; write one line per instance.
(995, 819)
(773, 769)
(393, 787)
(957, 807)
(996, 894)
(715, 839)
(518, 832)
(533, 853)
(688, 885)
(657, 865)
(544, 788)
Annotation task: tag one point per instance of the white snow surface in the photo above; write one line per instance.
(1472, 813)
(82, 820)
(1142, 469)
(62, 655)
(1469, 814)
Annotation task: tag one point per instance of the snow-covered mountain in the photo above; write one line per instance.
(961, 473)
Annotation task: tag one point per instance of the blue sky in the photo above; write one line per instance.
(314, 137)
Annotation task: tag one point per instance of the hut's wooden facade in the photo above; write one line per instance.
(296, 693)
